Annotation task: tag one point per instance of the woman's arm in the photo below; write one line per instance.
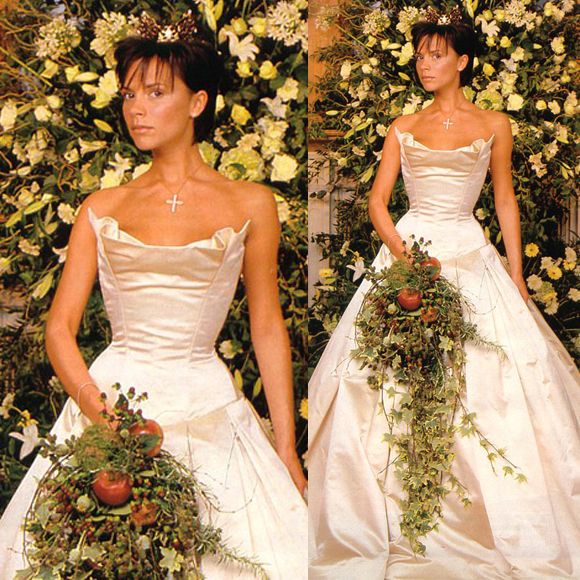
(506, 204)
(381, 191)
(268, 329)
(65, 315)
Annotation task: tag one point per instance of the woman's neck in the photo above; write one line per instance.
(449, 100)
(174, 167)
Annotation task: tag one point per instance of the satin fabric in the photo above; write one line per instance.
(527, 402)
(166, 305)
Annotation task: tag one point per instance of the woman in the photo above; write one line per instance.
(527, 402)
(169, 247)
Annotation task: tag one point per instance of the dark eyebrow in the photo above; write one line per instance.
(149, 86)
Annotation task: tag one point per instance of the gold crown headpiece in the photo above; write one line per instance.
(184, 29)
(440, 18)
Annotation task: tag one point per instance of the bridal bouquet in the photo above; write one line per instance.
(411, 333)
(114, 505)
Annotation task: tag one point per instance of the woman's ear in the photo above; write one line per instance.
(462, 62)
(197, 104)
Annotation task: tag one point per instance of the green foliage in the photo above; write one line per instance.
(415, 354)
(526, 67)
(63, 138)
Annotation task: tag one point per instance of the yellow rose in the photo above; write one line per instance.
(258, 26)
(554, 107)
(541, 105)
(515, 102)
(284, 167)
(531, 250)
(505, 42)
(554, 272)
(488, 69)
(243, 69)
(240, 114)
(268, 71)
(239, 25)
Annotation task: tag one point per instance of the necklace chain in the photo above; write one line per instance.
(448, 121)
(175, 201)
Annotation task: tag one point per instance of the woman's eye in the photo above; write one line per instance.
(127, 96)
(156, 93)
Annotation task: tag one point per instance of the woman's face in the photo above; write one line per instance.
(437, 63)
(158, 110)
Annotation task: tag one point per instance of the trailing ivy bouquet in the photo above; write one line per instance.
(411, 333)
(114, 505)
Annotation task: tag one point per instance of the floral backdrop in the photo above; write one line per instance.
(62, 138)
(526, 67)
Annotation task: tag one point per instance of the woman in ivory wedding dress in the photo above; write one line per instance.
(527, 402)
(168, 270)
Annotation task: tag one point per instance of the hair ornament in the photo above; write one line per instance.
(443, 19)
(184, 29)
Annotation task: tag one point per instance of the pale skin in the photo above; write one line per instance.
(211, 202)
(438, 67)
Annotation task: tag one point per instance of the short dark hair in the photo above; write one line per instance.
(460, 37)
(196, 63)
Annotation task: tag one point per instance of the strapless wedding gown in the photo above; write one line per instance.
(166, 305)
(528, 403)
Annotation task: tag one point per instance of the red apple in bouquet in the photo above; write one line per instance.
(146, 429)
(112, 487)
(435, 266)
(409, 298)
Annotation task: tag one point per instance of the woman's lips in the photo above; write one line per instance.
(141, 129)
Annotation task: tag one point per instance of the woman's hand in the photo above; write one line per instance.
(521, 285)
(292, 463)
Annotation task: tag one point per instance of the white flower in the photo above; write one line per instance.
(481, 213)
(29, 438)
(381, 130)
(283, 208)
(288, 91)
(6, 405)
(284, 168)
(346, 69)
(534, 282)
(547, 262)
(557, 45)
(554, 107)
(111, 178)
(574, 294)
(66, 213)
(490, 29)
(358, 151)
(552, 307)
(243, 49)
(249, 141)
(275, 106)
(57, 38)
(358, 268)
(61, 253)
(109, 29)
(228, 349)
(90, 146)
(8, 115)
(120, 164)
(27, 247)
(570, 255)
(284, 23)
(515, 102)
(537, 164)
(375, 22)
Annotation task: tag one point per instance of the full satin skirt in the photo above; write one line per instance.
(527, 402)
(213, 429)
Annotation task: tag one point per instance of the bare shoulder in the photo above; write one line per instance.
(253, 199)
(104, 201)
(406, 122)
